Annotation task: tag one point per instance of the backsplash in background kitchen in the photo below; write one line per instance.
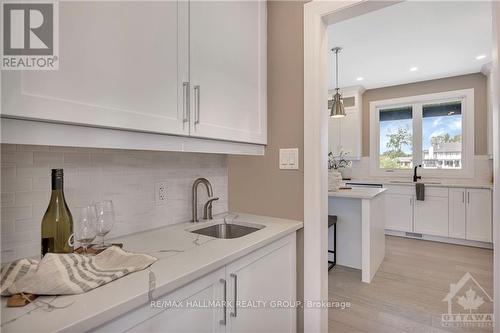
(126, 177)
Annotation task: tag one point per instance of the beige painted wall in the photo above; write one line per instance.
(256, 184)
(476, 81)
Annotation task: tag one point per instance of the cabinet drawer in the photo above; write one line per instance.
(400, 189)
(436, 191)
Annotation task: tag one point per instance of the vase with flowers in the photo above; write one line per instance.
(338, 168)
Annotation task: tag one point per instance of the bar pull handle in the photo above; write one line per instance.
(468, 197)
(235, 312)
(185, 104)
(463, 197)
(224, 321)
(196, 104)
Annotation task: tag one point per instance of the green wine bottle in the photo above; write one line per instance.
(57, 223)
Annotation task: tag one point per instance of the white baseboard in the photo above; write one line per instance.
(441, 239)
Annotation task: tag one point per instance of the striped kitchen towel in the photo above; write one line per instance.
(66, 274)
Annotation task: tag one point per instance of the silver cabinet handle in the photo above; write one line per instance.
(235, 312)
(196, 104)
(468, 197)
(224, 321)
(411, 201)
(185, 104)
(463, 197)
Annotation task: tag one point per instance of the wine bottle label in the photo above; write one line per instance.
(48, 244)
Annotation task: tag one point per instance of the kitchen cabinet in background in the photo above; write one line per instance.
(451, 214)
(479, 215)
(345, 133)
(457, 212)
(398, 205)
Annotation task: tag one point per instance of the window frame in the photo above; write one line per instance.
(466, 96)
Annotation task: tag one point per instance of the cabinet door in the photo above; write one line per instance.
(398, 212)
(122, 65)
(479, 215)
(456, 210)
(431, 216)
(192, 316)
(334, 131)
(266, 275)
(350, 129)
(228, 70)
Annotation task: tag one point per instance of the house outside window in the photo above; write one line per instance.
(435, 131)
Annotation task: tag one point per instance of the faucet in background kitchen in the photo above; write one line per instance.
(415, 177)
(207, 208)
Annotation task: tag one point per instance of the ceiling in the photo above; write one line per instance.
(441, 39)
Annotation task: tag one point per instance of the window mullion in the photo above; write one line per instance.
(417, 134)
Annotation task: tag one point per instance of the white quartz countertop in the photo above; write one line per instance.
(182, 258)
(358, 193)
(428, 182)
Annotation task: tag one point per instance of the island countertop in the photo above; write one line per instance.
(452, 183)
(182, 257)
(358, 193)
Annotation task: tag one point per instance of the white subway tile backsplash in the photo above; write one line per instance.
(46, 158)
(8, 199)
(17, 157)
(126, 177)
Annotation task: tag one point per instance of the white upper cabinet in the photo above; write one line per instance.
(169, 67)
(121, 65)
(228, 70)
(345, 133)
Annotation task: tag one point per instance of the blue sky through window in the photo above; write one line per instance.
(435, 126)
(431, 127)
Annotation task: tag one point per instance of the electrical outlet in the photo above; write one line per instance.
(161, 193)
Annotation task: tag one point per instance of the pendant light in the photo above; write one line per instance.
(337, 110)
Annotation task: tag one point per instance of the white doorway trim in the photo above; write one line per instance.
(317, 15)
(496, 160)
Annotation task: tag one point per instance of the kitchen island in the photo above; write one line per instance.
(360, 228)
(190, 267)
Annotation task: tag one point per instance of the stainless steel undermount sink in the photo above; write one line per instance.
(228, 230)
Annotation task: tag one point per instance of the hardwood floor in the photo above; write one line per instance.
(406, 294)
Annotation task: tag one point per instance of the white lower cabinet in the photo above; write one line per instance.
(460, 213)
(479, 215)
(431, 216)
(456, 211)
(267, 274)
(399, 212)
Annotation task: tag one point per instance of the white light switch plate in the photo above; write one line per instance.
(289, 158)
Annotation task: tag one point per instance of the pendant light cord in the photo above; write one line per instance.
(337, 69)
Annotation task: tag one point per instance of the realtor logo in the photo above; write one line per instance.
(29, 35)
(469, 305)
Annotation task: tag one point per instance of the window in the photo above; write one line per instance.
(442, 135)
(396, 138)
(435, 131)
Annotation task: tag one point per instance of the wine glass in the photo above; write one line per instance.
(105, 212)
(86, 230)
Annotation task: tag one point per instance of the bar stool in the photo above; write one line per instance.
(332, 222)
